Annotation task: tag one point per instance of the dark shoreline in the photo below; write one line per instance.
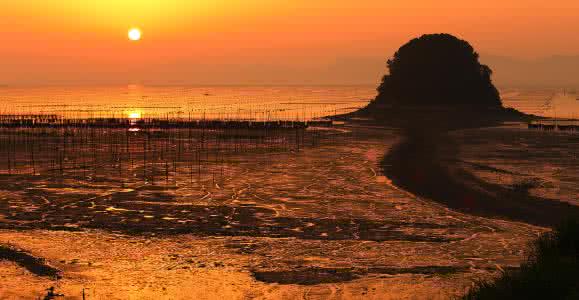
(35, 265)
(425, 164)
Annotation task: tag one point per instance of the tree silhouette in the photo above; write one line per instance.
(437, 70)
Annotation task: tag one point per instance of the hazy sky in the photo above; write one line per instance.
(259, 41)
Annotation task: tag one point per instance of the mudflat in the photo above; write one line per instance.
(321, 221)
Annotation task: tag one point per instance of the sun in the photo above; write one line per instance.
(135, 34)
(134, 114)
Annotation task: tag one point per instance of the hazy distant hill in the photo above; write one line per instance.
(552, 71)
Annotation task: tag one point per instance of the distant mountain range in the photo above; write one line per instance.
(552, 71)
(546, 72)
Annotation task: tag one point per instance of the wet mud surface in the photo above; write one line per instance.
(35, 265)
(307, 195)
(547, 163)
(129, 215)
(263, 222)
(313, 276)
(427, 164)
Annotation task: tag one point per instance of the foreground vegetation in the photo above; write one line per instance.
(551, 272)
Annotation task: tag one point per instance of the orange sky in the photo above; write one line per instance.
(259, 41)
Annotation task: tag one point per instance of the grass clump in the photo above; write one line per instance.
(551, 271)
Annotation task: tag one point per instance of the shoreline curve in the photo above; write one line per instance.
(424, 163)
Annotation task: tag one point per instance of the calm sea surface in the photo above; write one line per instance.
(235, 102)
(257, 103)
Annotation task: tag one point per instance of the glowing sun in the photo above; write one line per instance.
(134, 114)
(135, 34)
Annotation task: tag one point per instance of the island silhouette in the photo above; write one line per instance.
(437, 70)
(437, 85)
(437, 79)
